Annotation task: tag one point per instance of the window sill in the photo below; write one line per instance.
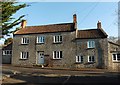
(78, 62)
(23, 59)
(91, 62)
(25, 44)
(57, 42)
(57, 59)
(116, 61)
(39, 43)
(7, 55)
(91, 48)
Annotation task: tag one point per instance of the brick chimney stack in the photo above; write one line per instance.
(75, 20)
(99, 25)
(23, 23)
(75, 23)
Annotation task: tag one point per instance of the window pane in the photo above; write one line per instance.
(81, 58)
(3, 52)
(93, 59)
(54, 54)
(27, 55)
(40, 39)
(22, 40)
(77, 58)
(93, 44)
(60, 38)
(10, 52)
(7, 52)
(24, 55)
(27, 40)
(114, 56)
(89, 44)
(118, 56)
(60, 54)
(43, 39)
(90, 58)
(21, 54)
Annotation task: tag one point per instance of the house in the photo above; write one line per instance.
(7, 53)
(113, 56)
(61, 45)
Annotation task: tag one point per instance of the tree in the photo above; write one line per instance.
(112, 38)
(8, 40)
(8, 22)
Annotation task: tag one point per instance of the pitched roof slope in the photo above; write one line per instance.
(91, 33)
(65, 27)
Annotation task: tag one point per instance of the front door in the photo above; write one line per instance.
(40, 59)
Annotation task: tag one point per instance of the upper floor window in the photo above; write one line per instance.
(116, 57)
(91, 59)
(40, 39)
(57, 54)
(79, 59)
(25, 40)
(57, 38)
(91, 44)
(7, 52)
(24, 55)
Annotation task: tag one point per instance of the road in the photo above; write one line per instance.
(32, 76)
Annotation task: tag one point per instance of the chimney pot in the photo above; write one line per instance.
(23, 23)
(99, 25)
(75, 20)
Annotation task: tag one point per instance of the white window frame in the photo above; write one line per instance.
(116, 57)
(7, 52)
(91, 44)
(40, 39)
(24, 40)
(57, 54)
(24, 55)
(79, 59)
(90, 59)
(57, 38)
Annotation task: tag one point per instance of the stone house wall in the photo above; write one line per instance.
(67, 46)
(100, 53)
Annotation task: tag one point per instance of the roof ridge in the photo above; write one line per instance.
(87, 29)
(51, 24)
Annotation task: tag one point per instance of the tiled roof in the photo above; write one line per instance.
(7, 47)
(91, 33)
(65, 27)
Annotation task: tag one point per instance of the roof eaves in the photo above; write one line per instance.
(43, 32)
(113, 43)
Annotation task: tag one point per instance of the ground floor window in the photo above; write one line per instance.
(24, 55)
(57, 54)
(116, 57)
(79, 59)
(91, 59)
(7, 52)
